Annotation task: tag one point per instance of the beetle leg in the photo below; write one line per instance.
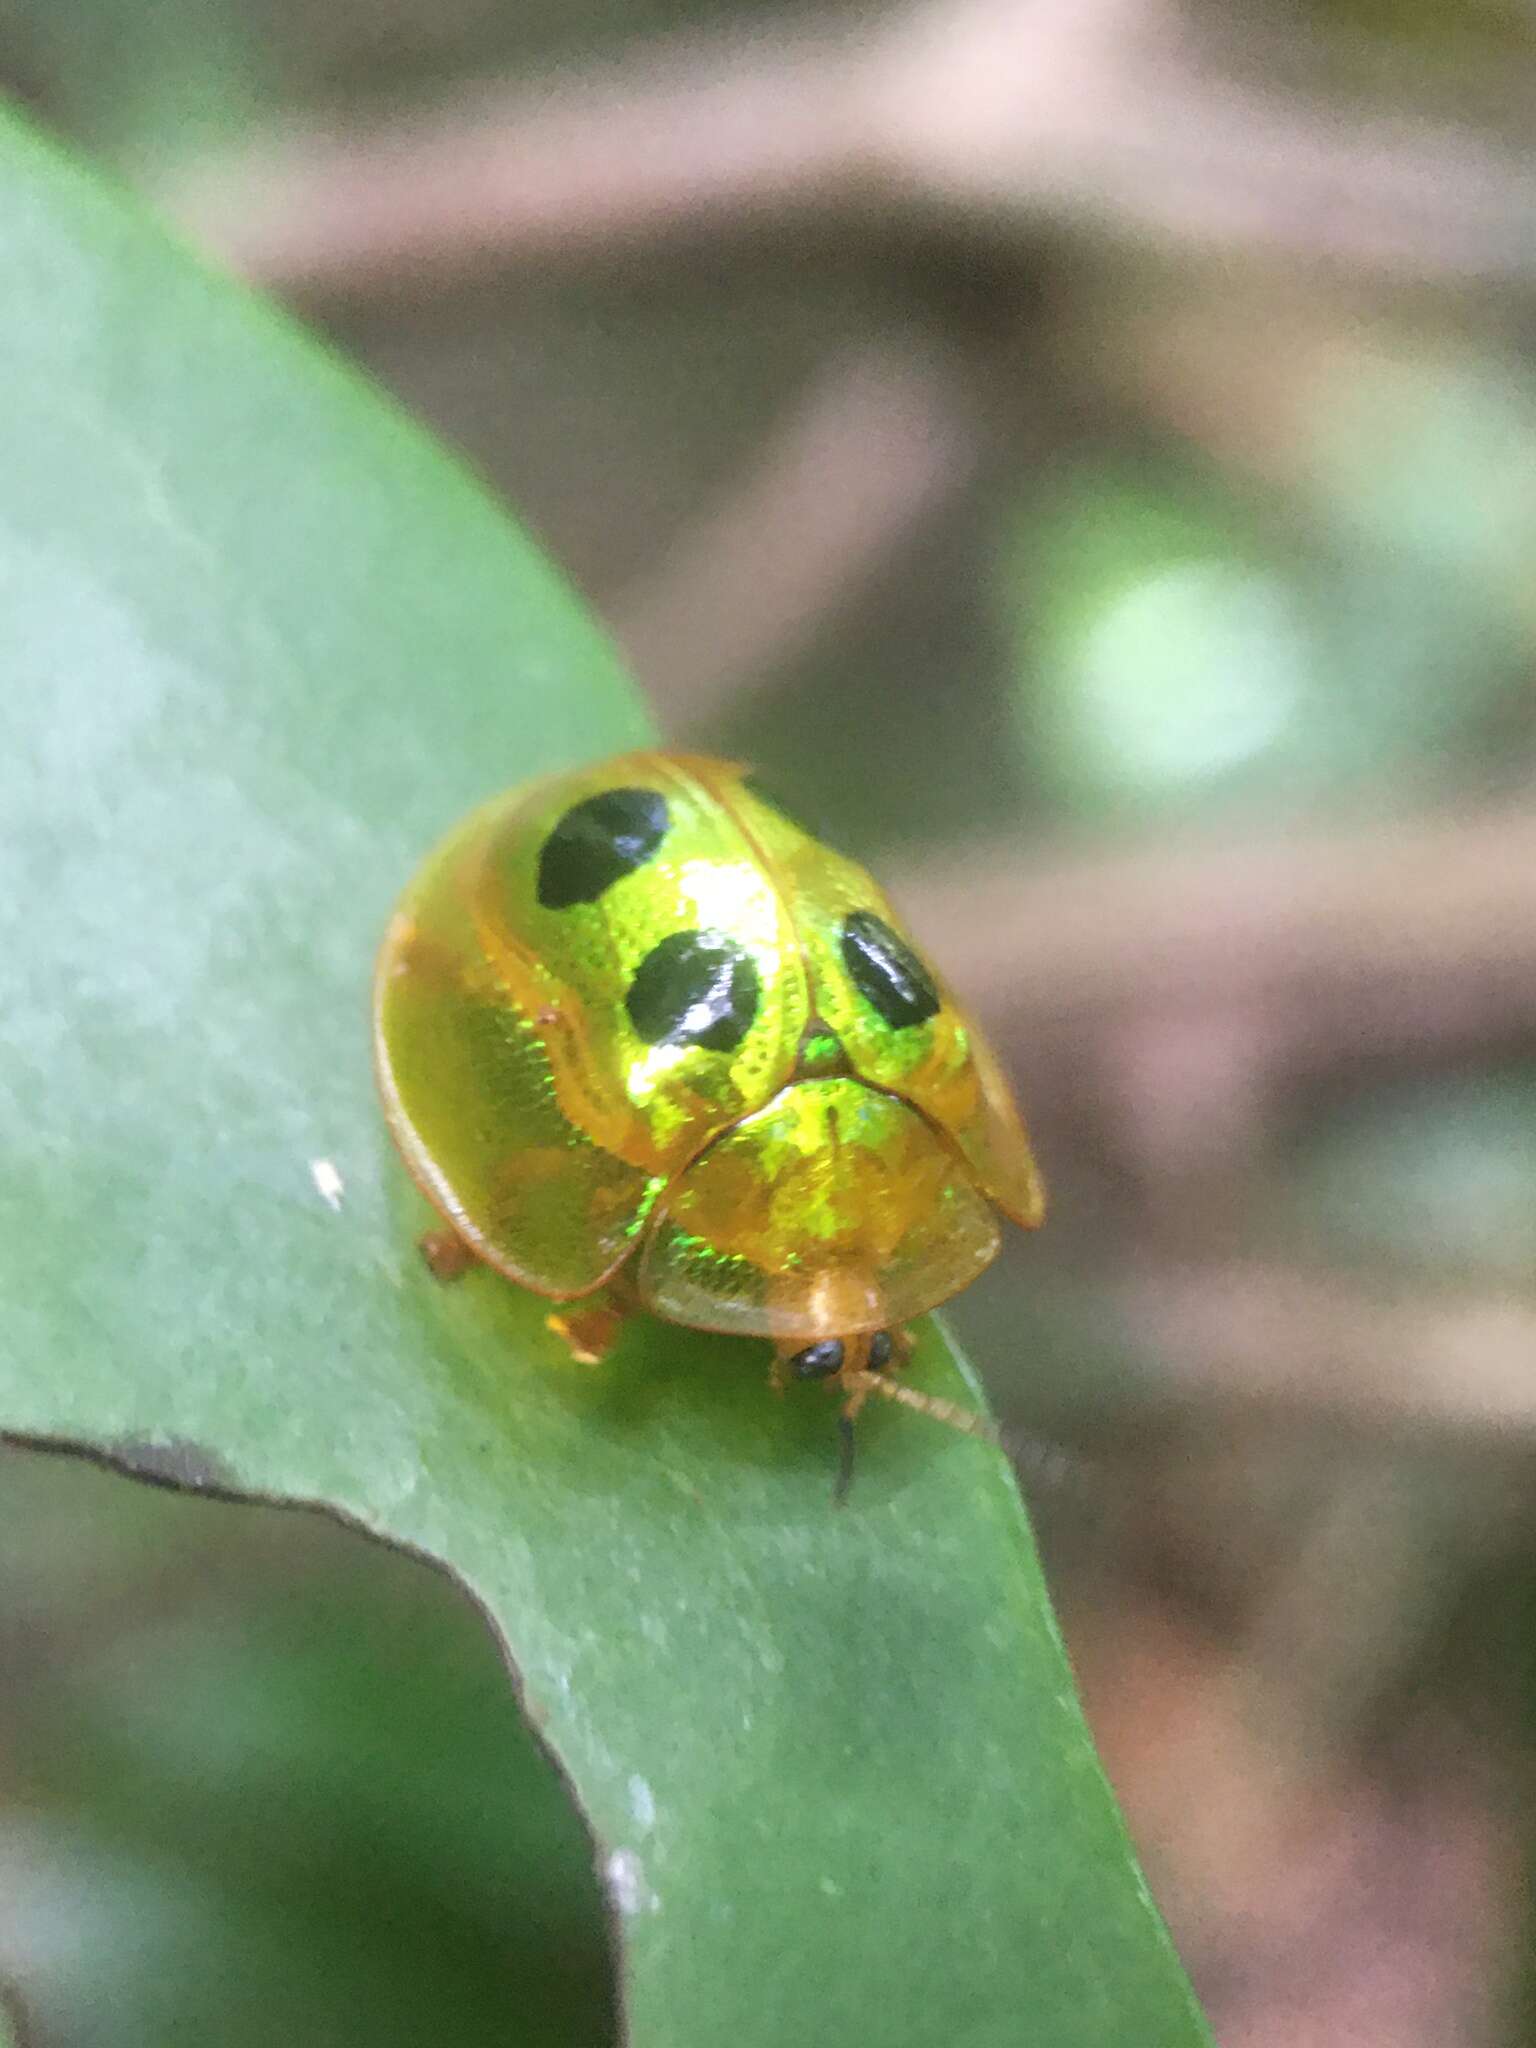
(951, 1413)
(591, 1327)
(589, 1330)
(856, 1388)
(903, 1344)
(448, 1257)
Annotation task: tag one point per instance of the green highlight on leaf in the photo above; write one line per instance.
(262, 643)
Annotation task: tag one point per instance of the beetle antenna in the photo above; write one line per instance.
(950, 1412)
(844, 1459)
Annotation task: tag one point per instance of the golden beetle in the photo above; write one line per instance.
(645, 1043)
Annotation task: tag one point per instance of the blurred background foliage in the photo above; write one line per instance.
(1086, 453)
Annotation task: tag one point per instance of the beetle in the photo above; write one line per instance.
(646, 1044)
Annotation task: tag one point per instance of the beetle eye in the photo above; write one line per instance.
(881, 1350)
(818, 1361)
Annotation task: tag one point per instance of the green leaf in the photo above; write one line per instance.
(261, 644)
(235, 1814)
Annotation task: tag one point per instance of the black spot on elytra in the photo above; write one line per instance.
(694, 988)
(599, 841)
(886, 972)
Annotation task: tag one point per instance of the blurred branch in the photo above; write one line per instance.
(1284, 1337)
(885, 436)
(1097, 113)
(680, 138)
(1399, 937)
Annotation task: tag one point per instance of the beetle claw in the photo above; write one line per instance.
(589, 1334)
(448, 1257)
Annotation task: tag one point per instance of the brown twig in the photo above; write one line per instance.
(679, 139)
(1091, 113)
(1127, 126)
(1352, 941)
(883, 437)
(1252, 1332)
